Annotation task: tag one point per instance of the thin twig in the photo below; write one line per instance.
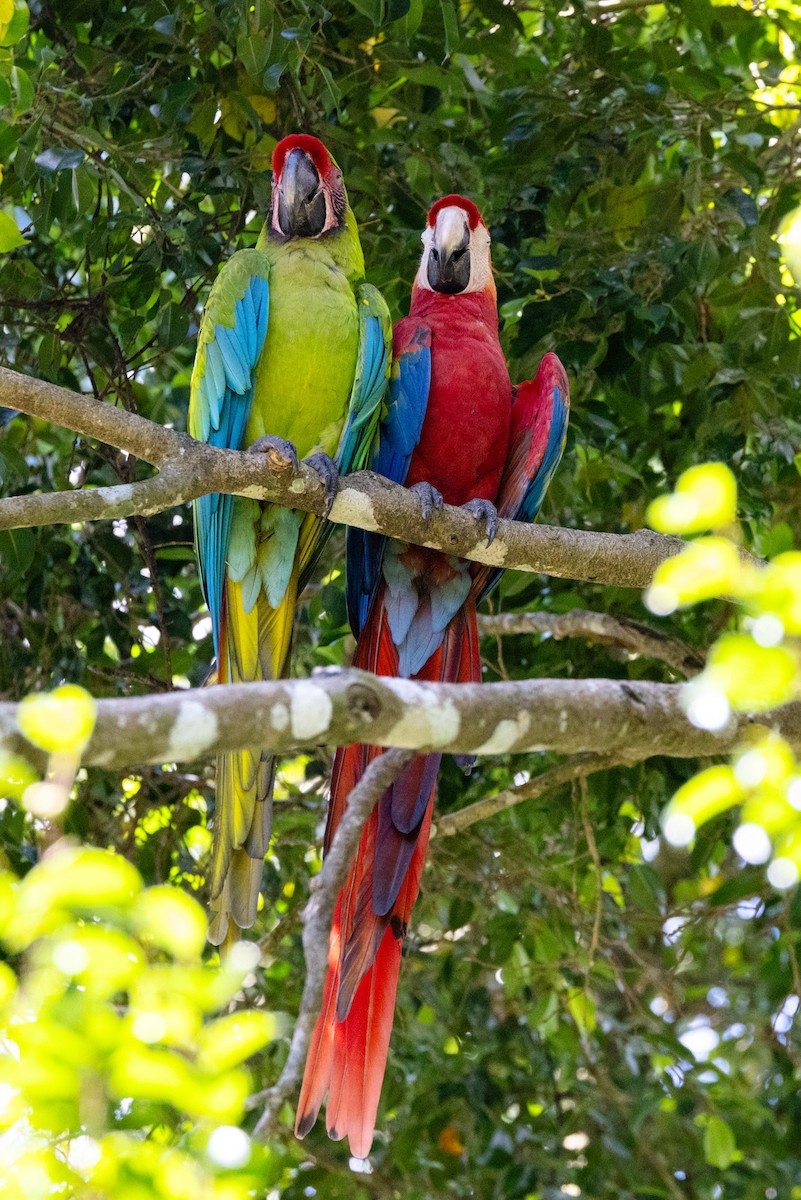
(577, 767)
(633, 636)
(580, 784)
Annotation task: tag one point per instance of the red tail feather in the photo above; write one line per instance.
(348, 1053)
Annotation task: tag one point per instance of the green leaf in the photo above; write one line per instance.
(450, 23)
(10, 236)
(253, 51)
(18, 25)
(372, 9)
(581, 1007)
(332, 92)
(720, 1146)
(17, 547)
(59, 158)
(23, 89)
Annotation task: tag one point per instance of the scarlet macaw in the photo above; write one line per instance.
(483, 443)
(293, 354)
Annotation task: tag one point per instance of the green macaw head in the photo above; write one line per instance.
(309, 198)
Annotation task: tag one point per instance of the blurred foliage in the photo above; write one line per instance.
(107, 1035)
(751, 670)
(584, 1009)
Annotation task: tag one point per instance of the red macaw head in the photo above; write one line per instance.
(309, 196)
(456, 249)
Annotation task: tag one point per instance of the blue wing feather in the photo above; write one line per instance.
(398, 434)
(220, 409)
(373, 381)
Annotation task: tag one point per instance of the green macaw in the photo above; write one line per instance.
(293, 354)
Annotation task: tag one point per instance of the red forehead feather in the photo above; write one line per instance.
(302, 141)
(474, 217)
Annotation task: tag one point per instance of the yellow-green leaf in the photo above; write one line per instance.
(581, 1007)
(60, 722)
(698, 800)
(789, 239)
(10, 236)
(709, 567)
(14, 21)
(705, 498)
(777, 590)
(16, 774)
(71, 881)
(228, 1041)
(720, 1147)
(754, 678)
(169, 918)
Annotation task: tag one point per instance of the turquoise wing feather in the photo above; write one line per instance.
(364, 410)
(230, 342)
(372, 374)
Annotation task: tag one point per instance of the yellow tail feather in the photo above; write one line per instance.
(254, 646)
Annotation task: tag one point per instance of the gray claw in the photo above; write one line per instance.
(485, 510)
(271, 444)
(429, 498)
(324, 466)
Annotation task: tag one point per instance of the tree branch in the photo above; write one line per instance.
(634, 636)
(578, 767)
(325, 887)
(634, 719)
(364, 500)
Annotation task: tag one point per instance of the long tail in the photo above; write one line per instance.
(348, 1052)
(253, 645)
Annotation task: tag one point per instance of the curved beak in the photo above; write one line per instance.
(449, 259)
(301, 201)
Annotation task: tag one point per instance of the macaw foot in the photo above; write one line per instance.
(428, 497)
(324, 466)
(484, 510)
(278, 450)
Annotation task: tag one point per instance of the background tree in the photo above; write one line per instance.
(583, 1010)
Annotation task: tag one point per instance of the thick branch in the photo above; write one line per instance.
(364, 500)
(325, 887)
(569, 716)
(634, 636)
(578, 767)
(94, 418)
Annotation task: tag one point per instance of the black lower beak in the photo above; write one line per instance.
(301, 202)
(449, 273)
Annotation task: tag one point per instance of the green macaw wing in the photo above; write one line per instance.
(364, 411)
(230, 342)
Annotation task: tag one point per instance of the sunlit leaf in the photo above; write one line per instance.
(10, 236)
(703, 797)
(708, 568)
(720, 1147)
(705, 498)
(60, 721)
(228, 1041)
(754, 678)
(172, 920)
